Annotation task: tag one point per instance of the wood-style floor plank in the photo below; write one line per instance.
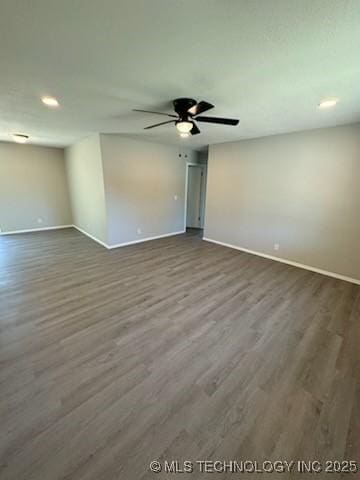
(174, 349)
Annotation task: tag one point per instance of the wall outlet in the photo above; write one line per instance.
(138, 231)
(276, 246)
(175, 197)
(40, 220)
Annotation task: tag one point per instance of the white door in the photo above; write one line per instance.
(193, 205)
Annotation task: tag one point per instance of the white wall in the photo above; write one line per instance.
(300, 190)
(32, 187)
(141, 181)
(203, 160)
(86, 186)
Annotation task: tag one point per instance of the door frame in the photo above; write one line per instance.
(192, 164)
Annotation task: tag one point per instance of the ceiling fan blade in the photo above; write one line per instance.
(224, 121)
(195, 130)
(158, 124)
(200, 107)
(156, 113)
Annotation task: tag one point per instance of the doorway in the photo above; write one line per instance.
(195, 197)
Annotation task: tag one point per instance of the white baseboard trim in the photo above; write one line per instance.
(133, 242)
(91, 236)
(30, 230)
(288, 262)
(125, 244)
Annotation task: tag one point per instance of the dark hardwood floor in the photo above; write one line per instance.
(174, 349)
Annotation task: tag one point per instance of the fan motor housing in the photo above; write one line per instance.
(182, 105)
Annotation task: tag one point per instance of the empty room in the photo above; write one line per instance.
(179, 239)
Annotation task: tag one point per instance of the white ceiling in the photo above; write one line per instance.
(267, 62)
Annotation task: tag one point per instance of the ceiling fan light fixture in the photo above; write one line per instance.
(184, 126)
(187, 110)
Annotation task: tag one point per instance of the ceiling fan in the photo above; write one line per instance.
(188, 110)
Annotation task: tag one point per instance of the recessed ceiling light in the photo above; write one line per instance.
(20, 137)
(328, 103)
(50, 101)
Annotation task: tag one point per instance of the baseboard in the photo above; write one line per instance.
(30, 230)
(288, 262)
(125, 244)
(91, 236)
(133, 242)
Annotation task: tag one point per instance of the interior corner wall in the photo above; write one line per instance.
(33, 189)
(86, 186)
(144, 188)
(203, 156)
(298, 190)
